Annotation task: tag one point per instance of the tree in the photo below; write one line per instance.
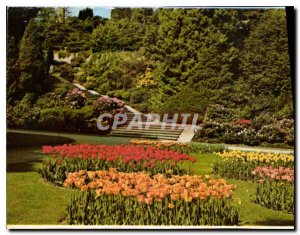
(121, 13)
(62, 13)
(34, 66)
(17, 20)
(85, 13)
(117, 35)
(190, 49)
(125, 30)
(266, 80)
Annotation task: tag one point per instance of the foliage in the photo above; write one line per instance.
(33, 62)
(85, 13)
(266, 82)
(109, 71)
(116, 35)
(275, 195)
(191, 101)
(236, 169)
(17, 20)
(124, 33)
(87, 209)
(66, 71)
(225, 64)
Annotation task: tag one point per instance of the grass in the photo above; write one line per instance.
(32, 201)
(76, 138)
(17, 140)
(253, 214)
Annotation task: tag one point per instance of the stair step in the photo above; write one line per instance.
(151, 127)
(124, 128)
(145, 134)
(148, 133)
(141, 135)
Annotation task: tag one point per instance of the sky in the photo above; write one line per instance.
(98, 11)
(105, 11)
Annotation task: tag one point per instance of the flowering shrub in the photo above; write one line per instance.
(242, 122)
(229, 133)
(76, 98)
(240, 165)
(278, 132)
(109, 105)
(110, 197)
(192, 147)
(219, 126)
(276, 195)
(279, 174)
(126, 158)
(218, 113)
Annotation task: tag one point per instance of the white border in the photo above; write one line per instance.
(129, 227)
(107, 3)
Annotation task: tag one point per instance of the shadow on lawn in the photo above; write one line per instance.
(274, 222)
(29, 166)
(24, 150)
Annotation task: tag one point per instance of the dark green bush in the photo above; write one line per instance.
(77, 61)
(120, 94)
(67, 72)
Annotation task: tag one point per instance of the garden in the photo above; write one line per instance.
(64, 71)
(165, 183)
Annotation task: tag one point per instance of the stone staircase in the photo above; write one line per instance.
(139, 131)
(153, 132)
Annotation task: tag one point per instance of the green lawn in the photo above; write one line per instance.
(30, 200)
(76, 138)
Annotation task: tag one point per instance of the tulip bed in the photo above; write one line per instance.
(150, 183)
(275, 189)
(126, 158)
(277, 195)
(115, 198)
(187, 148)
(278, 174)
(273, 172)
(239, 165)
